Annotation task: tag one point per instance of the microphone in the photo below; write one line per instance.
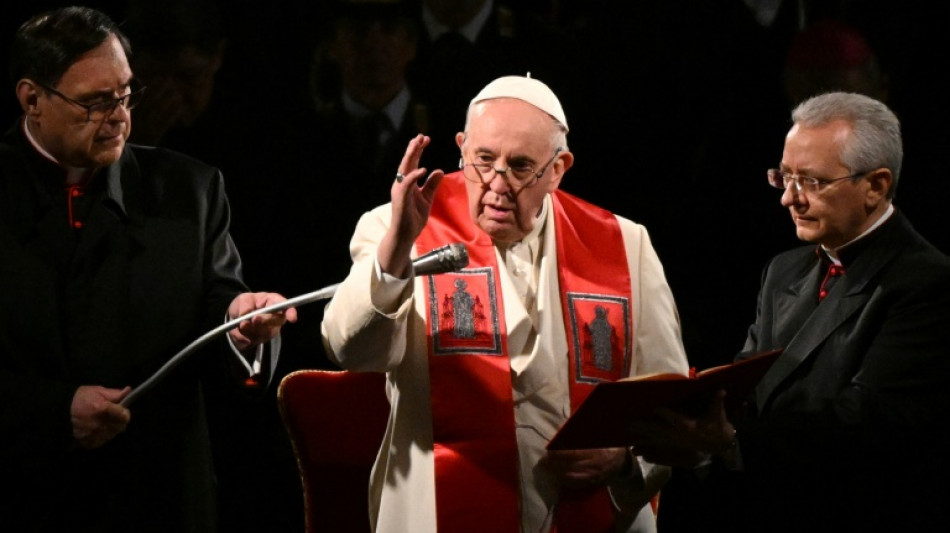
(448, 258)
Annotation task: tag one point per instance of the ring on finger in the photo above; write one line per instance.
(399, 177)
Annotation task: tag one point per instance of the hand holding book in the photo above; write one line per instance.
(680, 438)
(620, 413)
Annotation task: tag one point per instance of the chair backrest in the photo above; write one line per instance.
(335, 421)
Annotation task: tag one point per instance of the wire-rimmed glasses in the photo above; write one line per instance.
(781, 180)
(99, 111)
(519, 174)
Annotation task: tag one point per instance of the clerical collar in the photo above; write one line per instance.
(395, 110)
(834, 254)
(74, 175)
(470, 31)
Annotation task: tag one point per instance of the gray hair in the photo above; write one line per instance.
(876, 133)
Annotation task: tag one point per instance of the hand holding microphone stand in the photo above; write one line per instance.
(448, 258)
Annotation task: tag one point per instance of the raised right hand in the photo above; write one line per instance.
(410, 210)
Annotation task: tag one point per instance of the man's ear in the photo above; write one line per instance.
(880, 182)
(565, 160)
(27, 96)
(460, 141)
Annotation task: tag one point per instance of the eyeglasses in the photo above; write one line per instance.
(101, 110)
(520, 175)
(781, 180)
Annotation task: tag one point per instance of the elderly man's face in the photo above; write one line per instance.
(62, 127)
(510, 133)
(839, 211)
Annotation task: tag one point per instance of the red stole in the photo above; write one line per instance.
(476, 456)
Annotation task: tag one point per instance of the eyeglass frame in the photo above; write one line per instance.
(504, 172)
(107, 106)
(817, 184)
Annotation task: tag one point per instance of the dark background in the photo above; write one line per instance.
(676, 110)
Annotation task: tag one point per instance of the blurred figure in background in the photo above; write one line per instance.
(178, 49)
(830, 55)
(365, 110)
(467, 43)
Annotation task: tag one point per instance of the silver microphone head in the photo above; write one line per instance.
(457, 256)
(448, 258)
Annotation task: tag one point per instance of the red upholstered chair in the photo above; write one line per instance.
(336, 421)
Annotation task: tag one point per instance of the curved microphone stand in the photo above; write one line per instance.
(448, 258)
(322, 294)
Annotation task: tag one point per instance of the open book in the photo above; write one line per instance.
(599, 421)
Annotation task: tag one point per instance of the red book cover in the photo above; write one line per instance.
(599, 421)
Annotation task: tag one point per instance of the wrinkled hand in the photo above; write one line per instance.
(97, 416)
(411, 203)
(584, 468)
(261, 328)
(676, 438)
